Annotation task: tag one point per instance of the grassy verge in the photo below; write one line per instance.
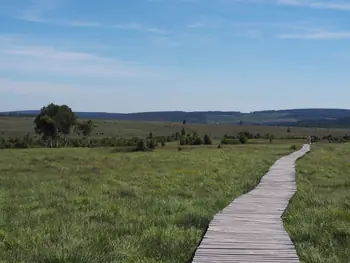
(93, 205)
(318, 218)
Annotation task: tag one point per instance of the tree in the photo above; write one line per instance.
(46, 124)
(65, 119)
(184, 122)
(289, 130)
(183, 132)
(151, 144)
(54, 119)
(86, 127)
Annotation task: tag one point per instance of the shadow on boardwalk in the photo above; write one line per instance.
(250, 229)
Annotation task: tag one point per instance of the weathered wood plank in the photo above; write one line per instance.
(250, 229)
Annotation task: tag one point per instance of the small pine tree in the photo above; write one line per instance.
(197, 141)
(150, 135)
(183, 140)
(289, 130)
(151, 144)
(183, 132)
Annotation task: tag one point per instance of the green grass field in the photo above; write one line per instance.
(318, 218)
(10, 126)
(93, 205)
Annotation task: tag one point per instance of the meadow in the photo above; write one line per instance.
(318, 218)
(18, 126)
(95, 205)
(101, 205)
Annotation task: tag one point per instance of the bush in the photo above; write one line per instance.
(243, 139)
(207, 140)
(183, 140)
(245, 134)
(141, 146)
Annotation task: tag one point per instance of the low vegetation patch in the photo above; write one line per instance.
(318, 218)
(97, 205)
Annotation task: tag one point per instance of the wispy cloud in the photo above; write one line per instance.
(321, 4)
(164, 41)
(38, 11)
(68, 23)
(196, 25)
(317, 35)
(17, 56)
(139, 27)
(318, 4)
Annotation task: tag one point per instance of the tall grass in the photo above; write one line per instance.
(93, 205)
(318, 218)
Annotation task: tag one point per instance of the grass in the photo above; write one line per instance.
(93, 205)
(16, 126)
(318, 218)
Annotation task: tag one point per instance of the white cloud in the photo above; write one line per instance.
(17, 56)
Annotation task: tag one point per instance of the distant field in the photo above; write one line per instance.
(19, 126)
(318, 218)
(92, 205)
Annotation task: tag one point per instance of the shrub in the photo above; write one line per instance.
(207, 140)
(243, 139)
(141, 146)
(196, 141)
(183, 140)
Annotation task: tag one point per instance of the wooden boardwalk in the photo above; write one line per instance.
(250, 229)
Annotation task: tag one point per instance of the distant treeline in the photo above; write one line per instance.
(322, 123)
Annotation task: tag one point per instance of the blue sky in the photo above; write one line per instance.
(150, 55)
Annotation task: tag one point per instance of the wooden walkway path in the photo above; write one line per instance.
(250, 229)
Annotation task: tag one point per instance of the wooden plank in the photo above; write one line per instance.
(250, 229)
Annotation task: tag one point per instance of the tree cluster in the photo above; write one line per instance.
(194, 139)
(55, 120)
